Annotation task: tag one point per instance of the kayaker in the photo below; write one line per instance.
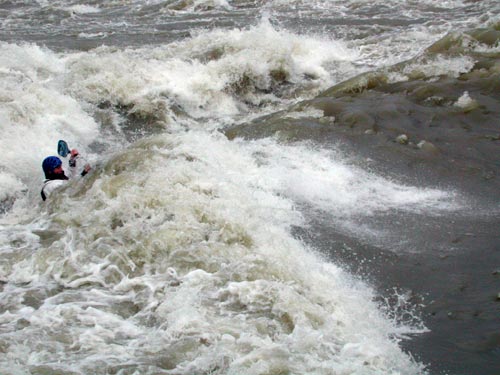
(55, 175)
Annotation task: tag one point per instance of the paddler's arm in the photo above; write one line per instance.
(73, 164)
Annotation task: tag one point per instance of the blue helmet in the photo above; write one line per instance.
(49, 164)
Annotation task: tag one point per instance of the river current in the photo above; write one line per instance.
(222, 229)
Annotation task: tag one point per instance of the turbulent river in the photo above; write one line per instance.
(278, 187)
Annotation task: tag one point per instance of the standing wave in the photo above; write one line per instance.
(172, 260)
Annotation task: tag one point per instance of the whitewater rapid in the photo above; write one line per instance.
(177, 253)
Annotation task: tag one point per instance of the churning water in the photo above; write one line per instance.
(178, 254)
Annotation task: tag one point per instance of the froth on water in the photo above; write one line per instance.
(177, 257)
(176, 254)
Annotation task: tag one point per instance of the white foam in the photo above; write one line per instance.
(83, 9)
(176, 254)
(35, 112)
(327, 181)
(180, 73)
(452, 67)
(182, 246)
(435, 67)
(10, 186)
(99, 35)
(465, 101)
(211, 4)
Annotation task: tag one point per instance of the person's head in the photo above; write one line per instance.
(52, 167)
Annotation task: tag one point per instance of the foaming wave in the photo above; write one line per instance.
(177, 257)
(213, 74)
(327, 186)
(35, 112)
(198, 5)
(83, 9)
(326, 180)
(219, 74)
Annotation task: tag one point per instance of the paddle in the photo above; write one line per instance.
(63, 148)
